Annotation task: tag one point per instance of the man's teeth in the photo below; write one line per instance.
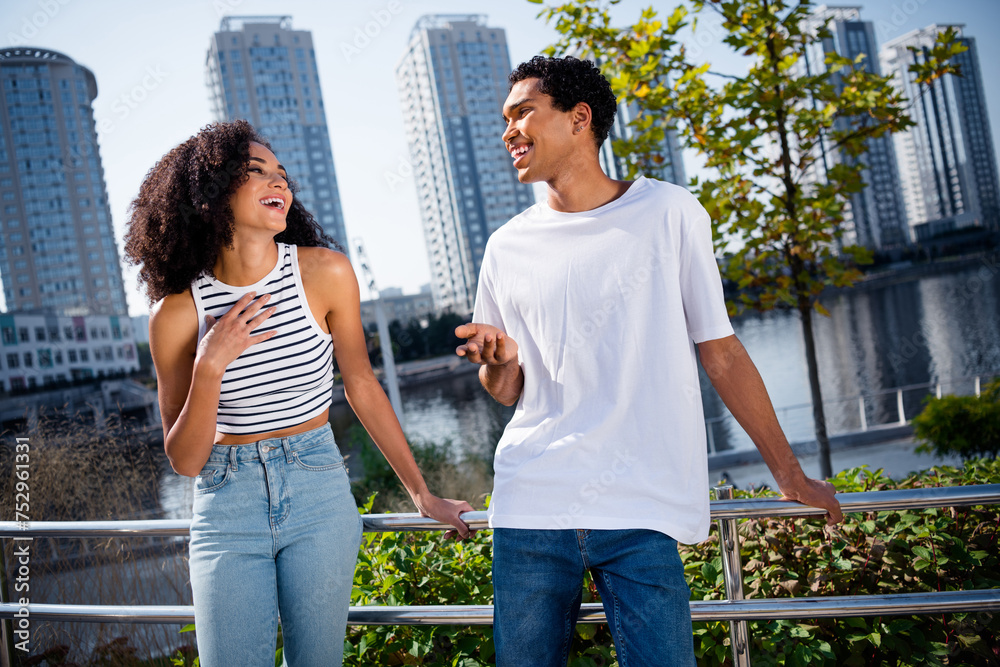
(273, 201)
(518, 151)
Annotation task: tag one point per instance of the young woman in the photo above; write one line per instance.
(251, 308)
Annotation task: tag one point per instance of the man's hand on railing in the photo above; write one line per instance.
(447, 511)
(815, 493)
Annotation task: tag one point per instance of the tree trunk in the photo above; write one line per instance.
(819, 417)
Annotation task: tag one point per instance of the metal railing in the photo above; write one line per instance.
(863, 401)
(725, 511)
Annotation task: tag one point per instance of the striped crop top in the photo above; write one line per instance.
(283, 381)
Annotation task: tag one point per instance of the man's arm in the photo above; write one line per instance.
(741, 388)
(500, 373)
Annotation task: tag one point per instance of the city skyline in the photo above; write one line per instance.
(155, 97)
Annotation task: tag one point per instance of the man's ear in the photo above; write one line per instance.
(582, 115)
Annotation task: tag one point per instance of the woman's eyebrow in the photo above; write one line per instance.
(263, 161)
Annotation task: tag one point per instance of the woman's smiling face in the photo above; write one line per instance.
(263, 200)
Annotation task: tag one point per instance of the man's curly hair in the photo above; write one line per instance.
(181, 218)
(569, 81)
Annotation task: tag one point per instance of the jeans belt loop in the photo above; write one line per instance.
(286, 444)
(233, 466)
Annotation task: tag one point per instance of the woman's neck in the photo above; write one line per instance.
(246, 261)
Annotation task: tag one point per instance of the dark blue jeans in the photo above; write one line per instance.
(538, 581)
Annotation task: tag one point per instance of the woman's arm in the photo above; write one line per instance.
(364, 393)
(189, 377)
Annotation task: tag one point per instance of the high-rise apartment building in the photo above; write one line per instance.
(57, 246)
(259, 69)
(452, 84)
(947, 165)
(876, 217)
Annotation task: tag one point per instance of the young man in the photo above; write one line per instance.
(589, 309)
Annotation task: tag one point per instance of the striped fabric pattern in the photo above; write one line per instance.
(281, 382)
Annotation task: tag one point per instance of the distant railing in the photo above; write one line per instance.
(725, 511)
(862, 401)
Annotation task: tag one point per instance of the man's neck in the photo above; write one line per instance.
(584, 190)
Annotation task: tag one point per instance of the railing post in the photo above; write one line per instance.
(732, 572)
(864, 417)
(937, 390)
(899, 406)
(977, 386)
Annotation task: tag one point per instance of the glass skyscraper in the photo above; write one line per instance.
(57, 247)
(876, 216)
(947, 162)
(258, 68)
(452, 85)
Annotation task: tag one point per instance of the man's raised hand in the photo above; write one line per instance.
(485, 345)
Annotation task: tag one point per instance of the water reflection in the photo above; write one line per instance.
(933, 329)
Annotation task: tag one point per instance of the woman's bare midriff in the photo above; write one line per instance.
(237, 439)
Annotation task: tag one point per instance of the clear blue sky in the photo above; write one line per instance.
(163, 45)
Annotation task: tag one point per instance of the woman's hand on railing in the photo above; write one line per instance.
(447, 511)
(815, 493)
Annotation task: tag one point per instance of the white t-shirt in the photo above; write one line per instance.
(606, 306)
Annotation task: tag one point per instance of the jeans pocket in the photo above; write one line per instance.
(319, 458)
(211, 478)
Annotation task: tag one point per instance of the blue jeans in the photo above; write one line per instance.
(537, 586)
(275, 528)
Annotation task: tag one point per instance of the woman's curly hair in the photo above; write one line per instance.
(569, 81)
(181, 218)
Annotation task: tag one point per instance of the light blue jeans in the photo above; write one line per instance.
(275, 529)
(537, 586)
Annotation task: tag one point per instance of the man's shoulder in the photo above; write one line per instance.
(668, 195)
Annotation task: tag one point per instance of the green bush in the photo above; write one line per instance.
(965, 425)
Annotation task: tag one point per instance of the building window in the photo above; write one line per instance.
(39, 333)
(29, 360)
(13, 361)
(72, 356)
(22, 334)
(84, 355)
(45, 358)
(8, 336)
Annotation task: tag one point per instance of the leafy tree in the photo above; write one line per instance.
(763, 135)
